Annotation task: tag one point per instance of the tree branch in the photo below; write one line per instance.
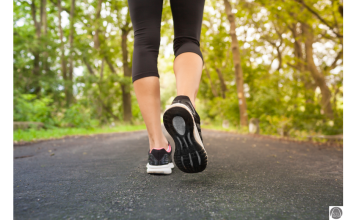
(107, 109)
(291, 65)
(341, 10)
(33, 13)
(87, 64)
(63, 9)
(319, 17)
(111, 66)
(339, 55)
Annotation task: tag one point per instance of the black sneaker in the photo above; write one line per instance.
(160, 161)
(183, 123)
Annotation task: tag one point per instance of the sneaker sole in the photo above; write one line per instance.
(190, 155)
(160, 169)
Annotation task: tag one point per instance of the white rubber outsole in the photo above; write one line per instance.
(162, 169)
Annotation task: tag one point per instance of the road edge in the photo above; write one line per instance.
(288, 139)
(23, 143)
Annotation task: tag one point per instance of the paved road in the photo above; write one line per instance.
(103, 177)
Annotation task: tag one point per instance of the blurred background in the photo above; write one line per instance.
(278, 64)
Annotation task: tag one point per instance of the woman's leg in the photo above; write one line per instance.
(146, 20)
(148, 97)
(188, 65)
(180, 119)
(188, 68)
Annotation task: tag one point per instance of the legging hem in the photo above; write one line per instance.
(143, 75)
(199, 54)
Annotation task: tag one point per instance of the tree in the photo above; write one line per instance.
(63, 57)
(71, 54)
(237, 64)
(125, 85)
(36, 61)
(282, 58)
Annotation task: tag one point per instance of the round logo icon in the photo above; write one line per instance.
(336, 213)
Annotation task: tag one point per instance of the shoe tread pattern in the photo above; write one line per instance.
(189, 156)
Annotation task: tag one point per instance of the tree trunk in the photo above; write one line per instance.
(37, 74)
(44, 27)
(71, 66)
(301, 66)
(97, 16)
(222, 82)
(237, 65)
(102, 68)
(279, 58)
(315, 73)
(211, 83)
(63, 58)
(44, 16)
(298, 53)
(36, 53)
(126, 94)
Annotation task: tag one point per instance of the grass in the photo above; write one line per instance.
(42, 134)
(219, 127)
(296, 135)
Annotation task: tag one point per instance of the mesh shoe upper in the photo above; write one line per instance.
(159, 157)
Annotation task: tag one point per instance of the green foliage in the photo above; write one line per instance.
(28, 108)
(284, 97)
(34, 134)
(77, 116)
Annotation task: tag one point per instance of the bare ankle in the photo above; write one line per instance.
(158, 142)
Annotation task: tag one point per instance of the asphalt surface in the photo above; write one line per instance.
(104, 177)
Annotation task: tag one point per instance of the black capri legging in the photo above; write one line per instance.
(146, 19)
